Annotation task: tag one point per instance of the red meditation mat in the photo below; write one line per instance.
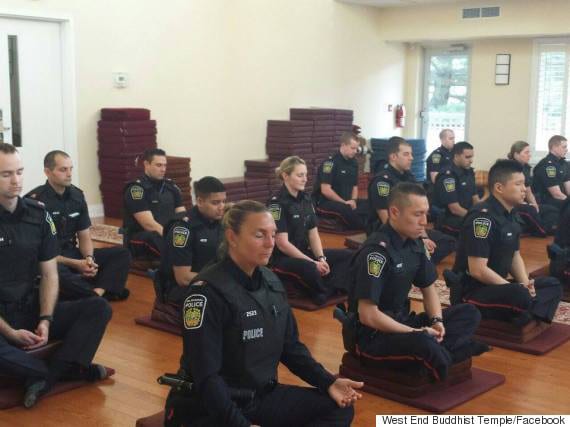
(127, 140)
(439, 400)
(127, 149)
(556, 335)
(156, 420)
(133, 124)
(334, 226)
(12, 395)
(287, 140)
(125, 114)
(104, 132)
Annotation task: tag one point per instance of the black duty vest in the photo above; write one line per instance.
(253, 343)
(19, 246)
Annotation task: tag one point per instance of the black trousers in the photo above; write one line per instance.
(112, 275)
(145, 244)
(460, 323)
(306, 276)
(79, 324)
(531, 219)
(285, 406)
(445, 245)
(505, 302)
(351, 218)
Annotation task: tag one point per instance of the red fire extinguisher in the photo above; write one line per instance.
(400, 116)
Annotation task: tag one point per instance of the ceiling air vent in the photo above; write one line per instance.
(471, 13)
(482, 12)
(490, 12)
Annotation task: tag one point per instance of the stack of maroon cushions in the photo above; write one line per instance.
(235, 189)
(178, 169)
(287, 138)
(262, 170)
(123, 135)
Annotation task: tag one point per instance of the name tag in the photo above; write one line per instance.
(73, 215)
(203, 240)
(251, 313)
(400, 265)
(296, 216)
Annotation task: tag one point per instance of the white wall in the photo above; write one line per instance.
(213, 71)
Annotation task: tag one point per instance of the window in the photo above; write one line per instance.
(551, 104)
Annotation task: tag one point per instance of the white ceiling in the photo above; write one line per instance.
(392, 3)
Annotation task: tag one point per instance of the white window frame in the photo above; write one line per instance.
(533, 98)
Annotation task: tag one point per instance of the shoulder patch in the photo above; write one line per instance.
(180, 236)
(481, 227)
(194, 308)
(376, 262)
(436, 158)
(449, 184)
(49, 220)
(551, 171)
(383, 188)
(328, 166)
(275, 210)
(137, 192)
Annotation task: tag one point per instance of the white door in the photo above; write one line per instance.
(446, 95)
(31, 97)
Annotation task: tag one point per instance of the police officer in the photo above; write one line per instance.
(489, 250)
(538, 220)
(396, 170)
(83, 271)
(384, 269)
(455, 189)
(299, 255)
(192, 242)
(237, 328)
(30, 315)
(150, 202)
(441, 156)
(336, 187)
(551, 178)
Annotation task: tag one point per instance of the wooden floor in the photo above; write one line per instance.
(535, 384)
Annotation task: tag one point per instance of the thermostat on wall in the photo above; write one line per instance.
(120, 79)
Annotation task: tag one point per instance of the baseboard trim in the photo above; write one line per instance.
(96, 211)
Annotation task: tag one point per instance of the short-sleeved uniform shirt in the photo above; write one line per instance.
(193, 242)
(385, 269)
(294, 216)
(562, 236)
(527, 175)
(489, 231)
(439, 158)
(161, 197)
(380, 187)
(26, 238)
(68, 210)
(549, 172)
(455, 185)
(340, 173)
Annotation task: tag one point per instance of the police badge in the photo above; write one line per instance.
(449, 184)
(180, 237)
(194, 307)
(328, 166)
(481, 227)
(275, 210)
(137, 192)
(551, 171)
(376, 262)
(383, 188)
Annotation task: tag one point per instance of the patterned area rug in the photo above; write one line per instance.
(106, 233)
(562, 315)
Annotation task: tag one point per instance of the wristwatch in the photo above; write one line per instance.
(435, 320)
(47, 317)
(90, 256)
(321, 258)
